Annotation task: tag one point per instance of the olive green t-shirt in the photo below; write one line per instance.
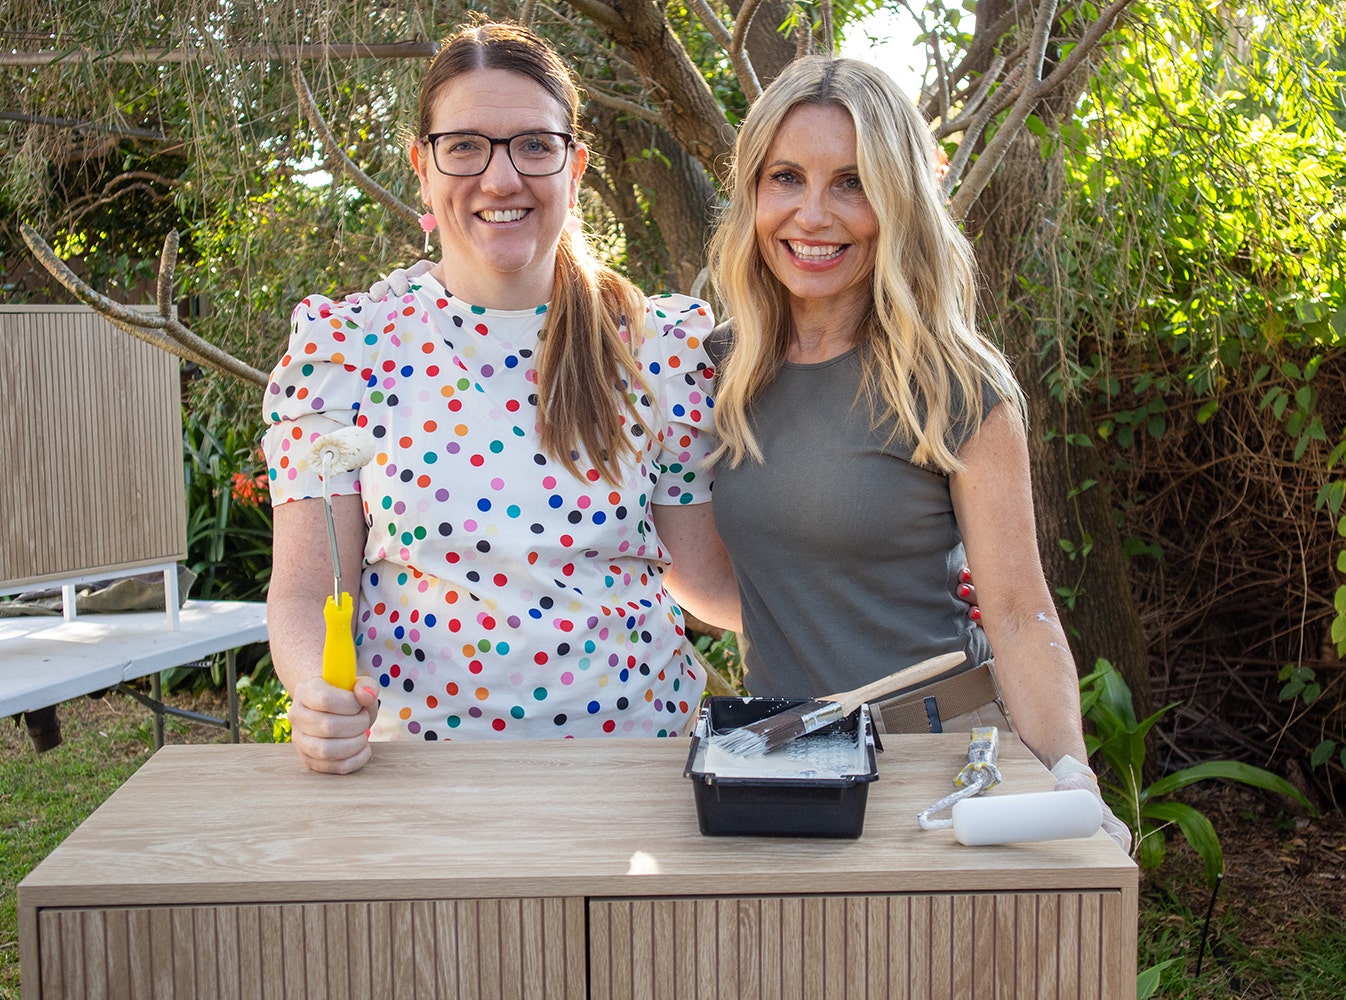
(847, 554)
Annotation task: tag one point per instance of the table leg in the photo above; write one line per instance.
(158, 707)
(231, 678)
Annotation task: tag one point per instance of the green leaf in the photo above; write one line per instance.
(1148, 979)
(1228, 770)
(1322, 752)
(1197, 830)
(1150, 848)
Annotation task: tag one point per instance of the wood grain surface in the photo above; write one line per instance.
(556, 869)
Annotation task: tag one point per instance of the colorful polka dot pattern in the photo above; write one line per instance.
(502, 596)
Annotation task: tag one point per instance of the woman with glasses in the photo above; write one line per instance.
(538, 477)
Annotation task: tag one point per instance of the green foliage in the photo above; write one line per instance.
(1147, 982)
(1105, 701)
(228, 508)
(42, 803)
(264, 706)
(1302, 682)
(1209, 216)
(723, 654)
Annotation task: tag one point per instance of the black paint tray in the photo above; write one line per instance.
(815, 786)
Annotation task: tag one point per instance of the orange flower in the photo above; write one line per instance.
(250, 491)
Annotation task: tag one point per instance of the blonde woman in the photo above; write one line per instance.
(541, 432)
(871, 440)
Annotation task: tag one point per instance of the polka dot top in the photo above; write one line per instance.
(501, 595)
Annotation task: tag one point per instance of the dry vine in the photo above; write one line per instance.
(1245, 583)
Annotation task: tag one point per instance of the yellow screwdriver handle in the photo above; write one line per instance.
(338, 648)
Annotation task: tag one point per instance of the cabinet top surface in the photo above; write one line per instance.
(248, 823)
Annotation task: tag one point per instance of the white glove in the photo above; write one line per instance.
(1071, 773)
(398, 281)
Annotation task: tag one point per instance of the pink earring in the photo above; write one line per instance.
(428, 223)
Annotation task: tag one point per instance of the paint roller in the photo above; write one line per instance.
(341, 451)
(1008, 819)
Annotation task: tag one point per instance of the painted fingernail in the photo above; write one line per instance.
(964, 590)
(965, 574)
(975, 614)
(369, 691)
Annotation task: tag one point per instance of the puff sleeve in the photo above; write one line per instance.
(315, 389)
(674, 360)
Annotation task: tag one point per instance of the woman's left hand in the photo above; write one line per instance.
(1070, 773)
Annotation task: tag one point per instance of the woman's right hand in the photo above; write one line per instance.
(967, 592)
(329, 727)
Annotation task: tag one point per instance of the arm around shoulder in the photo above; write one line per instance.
(700, 578)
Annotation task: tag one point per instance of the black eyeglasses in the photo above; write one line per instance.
(467, 154)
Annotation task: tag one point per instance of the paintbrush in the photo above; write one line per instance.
(775, 731)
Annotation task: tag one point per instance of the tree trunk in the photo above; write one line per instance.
(1014, 227)
(679, 198)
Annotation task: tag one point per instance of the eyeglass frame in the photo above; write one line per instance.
(430, 138)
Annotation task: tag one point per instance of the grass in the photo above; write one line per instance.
(1277, 932)
(43, 797)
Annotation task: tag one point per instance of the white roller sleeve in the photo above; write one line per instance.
(1017, 819)
(348, 448)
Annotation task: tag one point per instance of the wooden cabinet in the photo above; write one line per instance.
(554, 870)
(1030, 945)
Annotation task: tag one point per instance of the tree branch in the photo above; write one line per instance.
(965, 146)
(974, 103)
(994, 152)
(738, 55)
(712, 24)
(161, 329)
(622, 104)
(1087, 43)
(338, 158)
(166, 56)
(82, 126)
(1031, 90)
(604, 15)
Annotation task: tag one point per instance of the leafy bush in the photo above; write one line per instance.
(228, 521)
(1106, 702)
(264, 707)
(725, 659)
(228, 507)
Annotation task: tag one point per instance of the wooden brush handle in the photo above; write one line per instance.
(917, 673)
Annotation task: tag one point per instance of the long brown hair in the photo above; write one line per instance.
(583, 358)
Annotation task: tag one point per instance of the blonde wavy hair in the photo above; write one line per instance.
(583, 356)
(919, 340)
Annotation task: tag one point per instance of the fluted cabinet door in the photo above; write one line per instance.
(960, 946)
(493, 949)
